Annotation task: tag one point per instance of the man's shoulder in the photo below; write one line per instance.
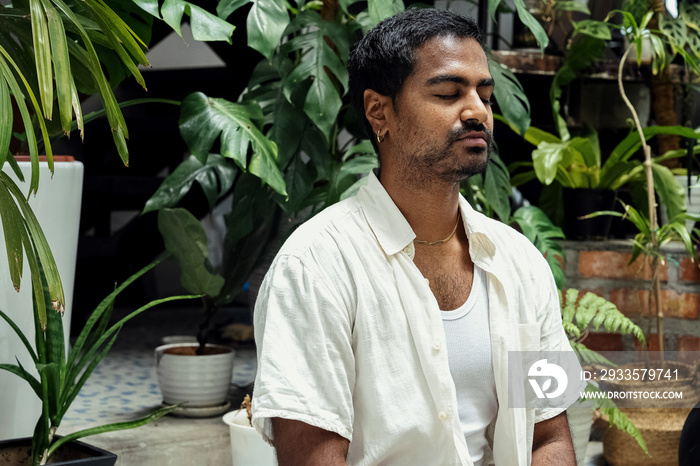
(328, 226)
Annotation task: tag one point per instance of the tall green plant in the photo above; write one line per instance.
(61, 376)
(291, 141)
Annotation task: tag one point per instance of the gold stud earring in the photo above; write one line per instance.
(380, 138)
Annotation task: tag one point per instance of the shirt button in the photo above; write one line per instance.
(442, 415)
(407, 249)
(437, 346)
(427, 282)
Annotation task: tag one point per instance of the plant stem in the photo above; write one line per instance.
(203, 332)
(651, 202)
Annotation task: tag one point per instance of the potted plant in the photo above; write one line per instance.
(651, 236)
(62, 374)
(247, 446)
(589, 184)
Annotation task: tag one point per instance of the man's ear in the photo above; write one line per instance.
(378, 108)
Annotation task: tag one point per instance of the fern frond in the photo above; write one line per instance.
(616, 417)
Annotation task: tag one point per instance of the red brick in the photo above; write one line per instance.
(612, 264)
(684, 305)
(688, 343)
(652, 342)
(630, 301)
(602, 341)
(690, 270)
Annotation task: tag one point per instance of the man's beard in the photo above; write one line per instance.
(423, 160)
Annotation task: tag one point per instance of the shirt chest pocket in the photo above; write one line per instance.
(529, 337)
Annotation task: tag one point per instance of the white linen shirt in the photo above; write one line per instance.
(350, 337)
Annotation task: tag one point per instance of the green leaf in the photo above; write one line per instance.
(321, 64)
(631, 143)
(205, 26)
(19, 371)
(42, 55)
(381, 9)
(150, 417)
(267, 21)
(493, 9)
(593, 28)
(670, 191)
(203, 119)
(20, 335)
(225, 8)
(6, 118)
(511, 98)
(149, 6)
(12, 224)
(5, 71)
(497, 187)
(186, 240)
(547, 158)
(61, 62)
(299, 182)
(215, 177)
(541, 232)
(532, 24)
(38, 242)
(114, 115)
(571, 5)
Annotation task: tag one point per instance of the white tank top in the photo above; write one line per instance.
(469, 355)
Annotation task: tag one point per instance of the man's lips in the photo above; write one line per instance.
(474, 138)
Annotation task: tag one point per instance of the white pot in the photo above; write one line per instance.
(57, 208)
(198, 380)
(247, 446)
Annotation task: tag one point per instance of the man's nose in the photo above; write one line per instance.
(474, 109)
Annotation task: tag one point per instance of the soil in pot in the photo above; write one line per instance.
(192, 351)
(17, 452)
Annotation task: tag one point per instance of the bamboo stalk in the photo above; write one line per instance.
(651, 202)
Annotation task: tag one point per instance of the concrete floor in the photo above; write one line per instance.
(124, 386)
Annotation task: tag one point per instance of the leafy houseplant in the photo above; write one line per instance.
(61, 375)
(289, 146)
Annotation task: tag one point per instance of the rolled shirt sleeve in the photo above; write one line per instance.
(553, 338)
(306, 368)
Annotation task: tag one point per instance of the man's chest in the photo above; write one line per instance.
(449, 276)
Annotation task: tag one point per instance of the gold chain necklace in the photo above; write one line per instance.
(433, 243)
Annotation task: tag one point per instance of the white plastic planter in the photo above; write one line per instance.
(247, 446)
(57, 207)
(198, 380)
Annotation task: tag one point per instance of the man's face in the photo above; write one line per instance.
(443, 117)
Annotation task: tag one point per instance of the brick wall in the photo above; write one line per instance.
(603, 268)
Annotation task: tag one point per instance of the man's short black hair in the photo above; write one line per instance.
(384, 58)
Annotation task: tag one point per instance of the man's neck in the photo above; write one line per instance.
(430, 208)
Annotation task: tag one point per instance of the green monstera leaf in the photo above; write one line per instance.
(203, 119)
(266, 23)
(321, 64)
(185, 238)
(205, 26)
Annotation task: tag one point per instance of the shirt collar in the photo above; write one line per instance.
(394, 233)
(385, 219)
